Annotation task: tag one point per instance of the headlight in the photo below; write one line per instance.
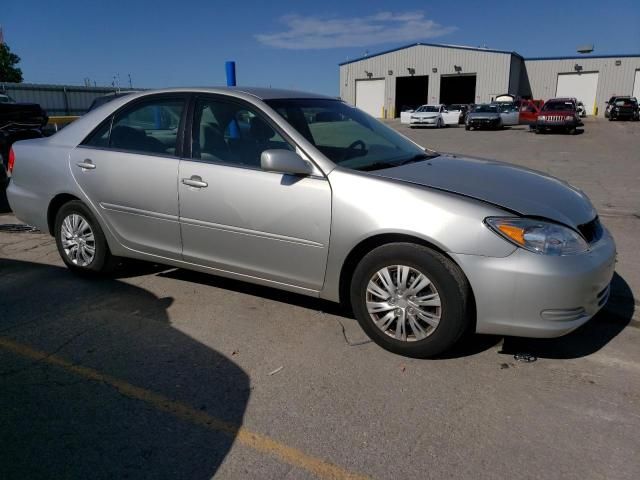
(538, 236)
(569, 118)
(542, 117)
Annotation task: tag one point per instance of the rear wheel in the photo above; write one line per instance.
(80, 240)
(410, 299)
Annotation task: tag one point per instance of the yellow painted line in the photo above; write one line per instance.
(256, 441)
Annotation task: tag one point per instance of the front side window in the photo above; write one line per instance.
(346, 135)
(232, 133)
(149, 127)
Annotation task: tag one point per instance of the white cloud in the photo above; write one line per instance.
(306, 33)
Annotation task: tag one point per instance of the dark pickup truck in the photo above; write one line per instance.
(18, 121)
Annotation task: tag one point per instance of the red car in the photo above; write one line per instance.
(558, 114)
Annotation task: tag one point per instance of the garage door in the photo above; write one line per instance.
(370, 96)
(636, 85)
(583, 86)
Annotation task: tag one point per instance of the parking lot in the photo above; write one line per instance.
(158, 372)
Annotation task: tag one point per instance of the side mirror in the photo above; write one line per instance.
(285, 161)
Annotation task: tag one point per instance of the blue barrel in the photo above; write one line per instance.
(230, 68)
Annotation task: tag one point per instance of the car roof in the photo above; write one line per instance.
(263, 93)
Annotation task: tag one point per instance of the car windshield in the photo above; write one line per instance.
(558, 106)
(624, 102)
(348, 136)
(428, 108)
(485, 109)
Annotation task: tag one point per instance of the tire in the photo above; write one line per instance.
(467, 127)
(447, 282)
(73, 253)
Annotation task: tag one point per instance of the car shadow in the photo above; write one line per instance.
(584, 341)
(268, 293)
(57, 423)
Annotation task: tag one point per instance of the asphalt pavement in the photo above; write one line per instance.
(158, 372)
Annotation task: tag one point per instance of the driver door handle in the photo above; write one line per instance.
(86, 164)
(195, 181)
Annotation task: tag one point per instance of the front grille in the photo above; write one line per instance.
(592, 231)
(554, 118)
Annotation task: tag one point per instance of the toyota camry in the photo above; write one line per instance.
(308, 194)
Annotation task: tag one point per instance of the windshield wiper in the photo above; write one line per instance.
(416, 158)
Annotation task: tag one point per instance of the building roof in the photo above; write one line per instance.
(441, 45)
(490, 50)
(582, 57)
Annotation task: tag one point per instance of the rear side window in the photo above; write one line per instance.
(149, 127)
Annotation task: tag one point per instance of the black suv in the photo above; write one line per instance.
(624, 108)
(18, 121)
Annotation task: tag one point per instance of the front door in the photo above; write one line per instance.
(128, 168)
(238, 218)
(528, 113)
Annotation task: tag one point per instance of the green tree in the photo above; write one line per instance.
(8, 61)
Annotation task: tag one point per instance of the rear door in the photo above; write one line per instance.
(128, 169)
(239, 218)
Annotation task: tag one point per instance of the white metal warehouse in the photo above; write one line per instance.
(385, 83)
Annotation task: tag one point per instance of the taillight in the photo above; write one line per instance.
(12, 160)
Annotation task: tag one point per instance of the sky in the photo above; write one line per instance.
(287, 44)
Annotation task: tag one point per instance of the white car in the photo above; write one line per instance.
(434, 116)
(582, 112)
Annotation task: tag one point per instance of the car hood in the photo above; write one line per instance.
(526, 192)
(482, 115)
(562, 113)
(425, 114)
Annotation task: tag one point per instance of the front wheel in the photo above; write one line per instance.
(80, 240)
(467, 127)
(410, 299)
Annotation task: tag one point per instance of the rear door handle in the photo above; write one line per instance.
(195, 181)
(88, 164)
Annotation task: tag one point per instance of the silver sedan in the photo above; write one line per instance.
(307, 194)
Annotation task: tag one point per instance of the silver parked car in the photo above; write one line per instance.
(307, 194)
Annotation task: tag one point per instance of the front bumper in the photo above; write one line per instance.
(625, 114)
(558, 125)
(483, 122)
(423, 121)
(532, 295)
